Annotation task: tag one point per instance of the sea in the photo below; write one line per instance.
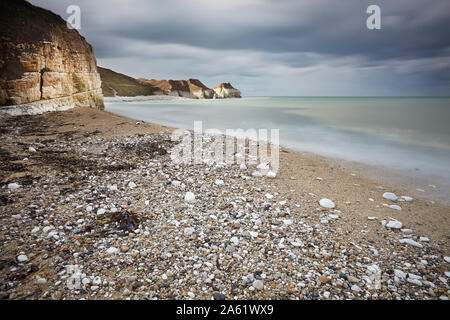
(407, 135)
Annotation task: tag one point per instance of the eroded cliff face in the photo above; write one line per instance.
(226, 91)
(44, 64)
(192, 88)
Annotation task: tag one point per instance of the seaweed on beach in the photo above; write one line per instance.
(146, 148)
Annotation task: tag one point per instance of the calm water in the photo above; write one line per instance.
(407, 134)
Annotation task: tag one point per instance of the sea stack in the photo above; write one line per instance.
(226, 91)
(44, 65)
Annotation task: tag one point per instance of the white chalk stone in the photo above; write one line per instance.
(189, 231)
(390, 196)
(257, 174)
(22, 258)
(411, 243)
(13, 186)
(189, 197)
(271, 174)
(327, 203)
(394, 225)
(132, 185)
(112, 250)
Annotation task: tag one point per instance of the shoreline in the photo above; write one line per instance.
(95, 165)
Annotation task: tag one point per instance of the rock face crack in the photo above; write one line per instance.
(42, 82)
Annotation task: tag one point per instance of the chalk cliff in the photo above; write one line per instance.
(192, 88)
(44, 65)
(226, 91)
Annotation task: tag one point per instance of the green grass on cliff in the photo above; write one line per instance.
(124, 85)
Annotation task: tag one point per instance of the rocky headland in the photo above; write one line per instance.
(44, 65)
(192, 88)
(227, 91)
(115, 84)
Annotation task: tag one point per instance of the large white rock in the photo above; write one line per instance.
(327, 203)
(13, 186)
(189, 231)
(394, 225)
(390, 196)
(22, 258)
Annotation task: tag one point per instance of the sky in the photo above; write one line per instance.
(274, 48)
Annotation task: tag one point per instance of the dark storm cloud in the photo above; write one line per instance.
(294, 47)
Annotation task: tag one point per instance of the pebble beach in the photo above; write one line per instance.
(92, 207)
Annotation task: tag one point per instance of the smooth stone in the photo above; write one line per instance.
(258, 284)
(390, 196)
(394, 225)
(13, 186)
(112, 250)
(189, 231)
(189, 197)
(327, 203)
(22, 258)
(411, 243)
(271, 174)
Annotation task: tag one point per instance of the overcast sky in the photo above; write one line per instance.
(298, 47)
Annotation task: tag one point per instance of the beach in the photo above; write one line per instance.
(93, 208)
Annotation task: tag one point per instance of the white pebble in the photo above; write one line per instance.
(13, 186)
(327, 203)
(271, 174)
(411, 243)
(189, 197)
(22, 258)
(189, 231)
(258, 284)
(132, 185)
(112, 250)
(394, 225)
(390, 196)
